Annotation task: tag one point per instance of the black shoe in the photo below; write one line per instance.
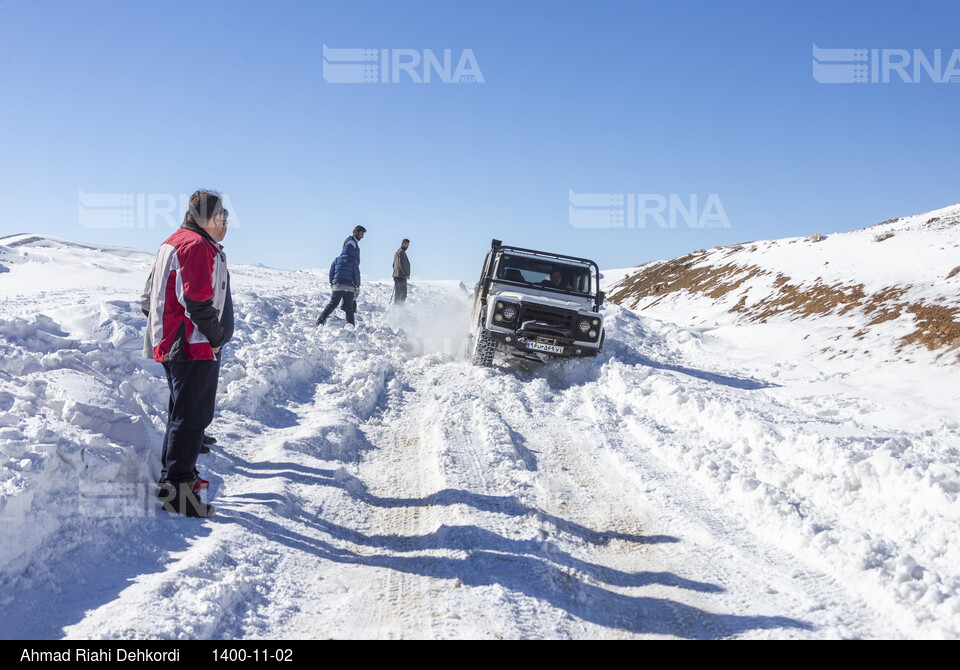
(204, 449)
(209, 439)
(181, 499)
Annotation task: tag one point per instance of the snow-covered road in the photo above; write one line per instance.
(372, 484)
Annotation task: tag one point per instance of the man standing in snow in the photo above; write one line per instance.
(226, 320)
(401, 272)
(187, 306)
(345, 277)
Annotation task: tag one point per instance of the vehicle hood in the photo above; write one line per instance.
(553, 300)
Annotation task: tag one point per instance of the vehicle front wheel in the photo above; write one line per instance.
(483, 347)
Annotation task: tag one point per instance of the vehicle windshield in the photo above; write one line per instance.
(544, 274)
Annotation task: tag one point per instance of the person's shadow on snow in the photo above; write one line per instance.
(536, 568)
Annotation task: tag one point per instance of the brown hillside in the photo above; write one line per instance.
(937, 325)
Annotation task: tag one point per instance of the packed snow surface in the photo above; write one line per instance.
(371, 483)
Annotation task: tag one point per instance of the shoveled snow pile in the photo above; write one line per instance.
(691, 481)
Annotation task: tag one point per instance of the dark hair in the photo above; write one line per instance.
(204, 205)
(359, 229)
(404, 240)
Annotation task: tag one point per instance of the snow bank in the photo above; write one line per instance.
(76, 411)
(872, 502)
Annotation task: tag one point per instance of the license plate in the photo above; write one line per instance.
(550, 348)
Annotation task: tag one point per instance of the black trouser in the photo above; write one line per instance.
(193, 394)
(347, 297)
(399, 289)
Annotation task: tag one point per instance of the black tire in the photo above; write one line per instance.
(483, 347)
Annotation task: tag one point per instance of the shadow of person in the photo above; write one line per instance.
(525, 568)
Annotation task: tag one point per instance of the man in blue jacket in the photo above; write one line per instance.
(345, 277)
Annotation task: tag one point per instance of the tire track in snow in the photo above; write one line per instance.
(399, 476)
(480, 434)
(463, 539)
(586, 512)
(452, 432)
(580, 553)
(748, 562)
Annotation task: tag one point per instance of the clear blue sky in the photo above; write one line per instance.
(607, 97)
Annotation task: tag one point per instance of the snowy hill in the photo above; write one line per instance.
(884, 293)
(371, 484)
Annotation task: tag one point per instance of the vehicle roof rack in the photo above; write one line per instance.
(533, 253)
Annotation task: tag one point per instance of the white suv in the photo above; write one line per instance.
(536, 305)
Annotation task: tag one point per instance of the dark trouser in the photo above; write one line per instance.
(219, 356)
(193, 394)
(399, 289)
(346, 297)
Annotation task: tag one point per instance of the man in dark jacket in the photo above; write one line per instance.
(345, 277)
(401, 272)
(187, 328)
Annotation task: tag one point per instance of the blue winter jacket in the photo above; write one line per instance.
(345, 269)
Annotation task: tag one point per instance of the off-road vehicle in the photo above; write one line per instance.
(536, 305)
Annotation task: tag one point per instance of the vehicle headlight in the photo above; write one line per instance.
(584, 325)
(509, 312)
(592, 333)
(498, 317)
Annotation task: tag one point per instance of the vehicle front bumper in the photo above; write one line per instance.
(518, 343)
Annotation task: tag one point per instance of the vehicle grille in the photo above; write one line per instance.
(555, 317)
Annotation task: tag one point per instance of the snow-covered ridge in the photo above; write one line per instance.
(883, 292)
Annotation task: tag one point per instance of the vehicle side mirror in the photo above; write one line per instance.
(601, 296)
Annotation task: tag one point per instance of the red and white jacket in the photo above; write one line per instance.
(187, 295)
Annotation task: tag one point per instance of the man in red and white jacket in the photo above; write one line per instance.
(188, 294)
(187, 297)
